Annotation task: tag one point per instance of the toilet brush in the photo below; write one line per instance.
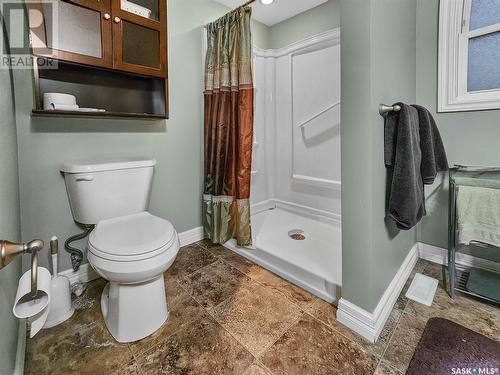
(60, 307)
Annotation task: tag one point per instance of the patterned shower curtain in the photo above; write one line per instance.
(228, 128)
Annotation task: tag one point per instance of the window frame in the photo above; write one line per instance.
(454, 36)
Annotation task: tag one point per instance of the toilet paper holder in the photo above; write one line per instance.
(9, 251)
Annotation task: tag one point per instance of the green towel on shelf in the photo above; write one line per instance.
(478, 215)
(485, 283)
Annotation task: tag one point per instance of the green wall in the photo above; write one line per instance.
(317, 20)
(45, 143)
(378, 44)
(9, 220)
(469, 137)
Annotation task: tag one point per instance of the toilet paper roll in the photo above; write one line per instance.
(50, 98)
(34, 308)
(38, 321)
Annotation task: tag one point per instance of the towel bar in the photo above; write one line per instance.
(383, 109)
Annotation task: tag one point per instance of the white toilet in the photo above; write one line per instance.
(129, 247)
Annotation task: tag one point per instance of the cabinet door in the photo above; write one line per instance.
(140, 36)
(76, 30)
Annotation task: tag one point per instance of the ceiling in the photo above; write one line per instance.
(278, 11)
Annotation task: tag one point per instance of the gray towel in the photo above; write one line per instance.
(433, 155)
(406, 203)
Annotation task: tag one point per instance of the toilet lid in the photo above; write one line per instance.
(132, 235)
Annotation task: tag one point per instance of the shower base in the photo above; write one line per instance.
(300, 244)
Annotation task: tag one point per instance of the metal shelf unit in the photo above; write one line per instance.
(467, 175)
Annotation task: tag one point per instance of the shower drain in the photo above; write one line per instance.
(297, 235)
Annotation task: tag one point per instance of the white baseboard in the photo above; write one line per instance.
(432, 253)
(86, 273)
(439, 255)
(191, 236)
(367, 324)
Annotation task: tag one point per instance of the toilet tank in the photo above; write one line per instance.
(102, 190)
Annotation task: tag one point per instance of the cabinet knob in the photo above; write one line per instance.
(117, 20)
(107, 16)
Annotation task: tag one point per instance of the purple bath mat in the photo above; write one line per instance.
(447, 348)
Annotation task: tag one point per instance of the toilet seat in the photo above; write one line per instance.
(131, 238)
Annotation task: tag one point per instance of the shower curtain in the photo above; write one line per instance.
(228, 129)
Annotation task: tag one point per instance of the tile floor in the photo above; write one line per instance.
(230, 316)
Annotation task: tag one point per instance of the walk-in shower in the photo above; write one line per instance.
(296, 187)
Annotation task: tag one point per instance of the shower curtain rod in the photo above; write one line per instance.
(247, 3)
(241, 6)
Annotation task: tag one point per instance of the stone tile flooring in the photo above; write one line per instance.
(230, 316)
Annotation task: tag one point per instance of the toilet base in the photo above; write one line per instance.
(134, 311)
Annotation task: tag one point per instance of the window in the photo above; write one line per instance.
(469, 55)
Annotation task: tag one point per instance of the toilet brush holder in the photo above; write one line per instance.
(60, 307)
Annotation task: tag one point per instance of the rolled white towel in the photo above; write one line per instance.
(63, 107)
(50, 98)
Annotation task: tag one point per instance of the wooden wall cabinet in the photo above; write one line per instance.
(128, 36)
(140, 44)
(102, 33)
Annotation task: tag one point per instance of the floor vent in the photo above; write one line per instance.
(422, 289)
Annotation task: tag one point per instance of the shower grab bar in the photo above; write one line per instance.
(304, 124)
(383, 109)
